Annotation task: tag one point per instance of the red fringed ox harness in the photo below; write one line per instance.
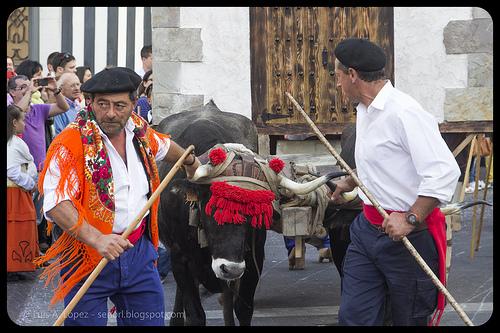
(241, 188)
(232, 202)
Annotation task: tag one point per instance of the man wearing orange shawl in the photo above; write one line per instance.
(405, 163)
(99, 174)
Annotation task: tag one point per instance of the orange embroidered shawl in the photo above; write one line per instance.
(86, 158)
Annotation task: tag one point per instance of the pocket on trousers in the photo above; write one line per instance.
(425, 298)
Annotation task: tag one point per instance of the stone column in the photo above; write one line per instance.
(172, 46)
(475, 39)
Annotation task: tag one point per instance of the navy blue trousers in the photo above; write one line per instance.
(290, 243)
(131, 282)
(164, 263)
(376, 266)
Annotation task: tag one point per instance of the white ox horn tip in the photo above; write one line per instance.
(305, 188)
(302, 188)
(456, 207)
(201, 172)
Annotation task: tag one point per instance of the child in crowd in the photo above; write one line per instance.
(22, 235)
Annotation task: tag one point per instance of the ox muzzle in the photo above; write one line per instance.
(227, 270)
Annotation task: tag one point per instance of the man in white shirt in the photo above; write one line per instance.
(101, 170)
(403, 161)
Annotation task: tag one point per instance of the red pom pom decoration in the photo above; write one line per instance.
(276, 164)
(217, 156)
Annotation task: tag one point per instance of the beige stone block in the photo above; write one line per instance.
(468, 36)
(165, 17)
(177, 44)
(480, 70)
(467, 104)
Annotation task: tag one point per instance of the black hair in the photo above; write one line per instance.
(365, 76)
(146, 51)
(51, 57)
(80, 72)
(13, 113)
(147, 75)
(141, 89)
(11, 84)
(149, 90)
(29, 68)
(61, 59)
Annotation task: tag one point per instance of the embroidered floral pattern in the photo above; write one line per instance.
(97, 164)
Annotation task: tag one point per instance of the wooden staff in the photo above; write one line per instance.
(476, 187)
(467, 168)
(488, 169)
(83, 289)
(384, 214)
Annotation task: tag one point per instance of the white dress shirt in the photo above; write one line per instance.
(400, 153)
(131, 185)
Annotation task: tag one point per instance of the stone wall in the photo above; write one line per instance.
(475, 39)
(172, 47)
(201, 54)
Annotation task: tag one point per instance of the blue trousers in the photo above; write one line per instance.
(164, 264)
(376, 266)
(131, 282)
(290, 243)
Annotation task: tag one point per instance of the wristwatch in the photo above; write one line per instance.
(412, 219)
(57, 91)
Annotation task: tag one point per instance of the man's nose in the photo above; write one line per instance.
(112, 113)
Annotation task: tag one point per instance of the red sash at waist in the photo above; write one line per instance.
(436, 225)
(137, 233)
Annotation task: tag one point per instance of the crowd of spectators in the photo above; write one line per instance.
(39, 107)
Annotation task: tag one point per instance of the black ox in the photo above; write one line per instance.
(191, 263)
(225, 258)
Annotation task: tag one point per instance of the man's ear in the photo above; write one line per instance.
(353, 74)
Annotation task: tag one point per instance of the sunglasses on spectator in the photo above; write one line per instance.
(61, 57)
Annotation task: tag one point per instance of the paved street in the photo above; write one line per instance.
(304, 298)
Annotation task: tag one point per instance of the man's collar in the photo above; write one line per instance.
(379, 100)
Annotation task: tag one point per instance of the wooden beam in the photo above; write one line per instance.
(463, 144)
(467, 127)
(283, 129)
(337, 128)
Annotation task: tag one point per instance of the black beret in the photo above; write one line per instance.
(360, 54)
(112, 80)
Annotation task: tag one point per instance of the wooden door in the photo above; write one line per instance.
(18, 35)
(292, 50)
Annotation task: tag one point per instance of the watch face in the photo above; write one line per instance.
(412, 219)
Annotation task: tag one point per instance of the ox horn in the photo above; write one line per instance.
(305, 188)
(201, 172)
(458, 206)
